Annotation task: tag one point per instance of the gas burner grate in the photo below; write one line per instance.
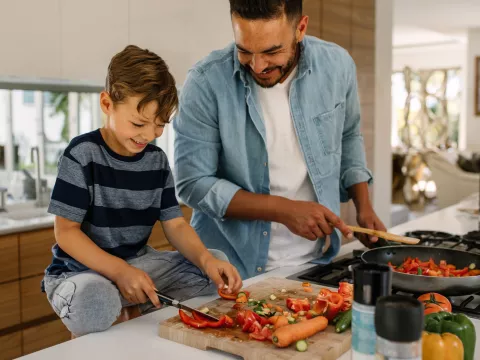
(472, 237)
(429, 235)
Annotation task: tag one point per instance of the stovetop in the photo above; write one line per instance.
(331, 274)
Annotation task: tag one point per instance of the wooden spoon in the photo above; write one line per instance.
(385, 235)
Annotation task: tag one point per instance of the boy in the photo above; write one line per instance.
(112, 187)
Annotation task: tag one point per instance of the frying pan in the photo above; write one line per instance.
(419, 284)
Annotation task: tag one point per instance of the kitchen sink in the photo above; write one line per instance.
(25, 214)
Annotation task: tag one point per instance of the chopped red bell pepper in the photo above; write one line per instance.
(250, 319)
(211, 324)
(226, 296)
(334, 300)
(460, 272)
(346, 290)
(297, 305)
(190, 321)
(255, 327)
(267, 332)
(257, 335)
(228, 321)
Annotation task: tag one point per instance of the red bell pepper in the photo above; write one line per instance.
(192, 322)
(346, 290)
(261, 334)
(297, 305)
(460, 272)
(223, 321)
(226, 296)
(198, 321)
(334, 302)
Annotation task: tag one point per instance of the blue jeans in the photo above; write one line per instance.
(89, 302)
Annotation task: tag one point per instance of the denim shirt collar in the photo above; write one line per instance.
(304, 62)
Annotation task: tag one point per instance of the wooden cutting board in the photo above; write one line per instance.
(326, 345)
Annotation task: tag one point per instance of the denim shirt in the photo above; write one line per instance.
(220, 145)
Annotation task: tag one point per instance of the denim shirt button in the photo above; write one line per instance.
(265, 233)
(259, 269)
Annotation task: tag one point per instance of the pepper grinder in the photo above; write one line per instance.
(370, 282)
(399, 323)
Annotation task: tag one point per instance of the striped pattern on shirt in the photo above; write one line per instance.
(116, 199)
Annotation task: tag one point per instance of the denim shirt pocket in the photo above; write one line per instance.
(329, 128)
(327, 133)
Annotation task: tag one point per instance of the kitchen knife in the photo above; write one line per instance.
(175, 303)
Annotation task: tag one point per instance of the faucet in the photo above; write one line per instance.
(40, 191)
(3, 191)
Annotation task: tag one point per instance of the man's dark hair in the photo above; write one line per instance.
(266, 9)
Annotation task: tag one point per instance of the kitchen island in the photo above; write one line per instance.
(138, 338)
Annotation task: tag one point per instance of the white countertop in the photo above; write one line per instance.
(24, 217)
(138, 338)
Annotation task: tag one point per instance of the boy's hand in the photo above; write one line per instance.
(223, 273)
(136, 286)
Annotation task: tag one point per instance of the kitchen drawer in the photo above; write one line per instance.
(11, 346)
(35, 251)
(9, 258)
(9, 304)
(42, 336)
(34, 302)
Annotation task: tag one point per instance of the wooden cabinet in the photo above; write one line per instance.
(35, 251)
(11, 346)
(42, 336)
(27, 321)
(9, 258)
(9, 304)
(34, 302)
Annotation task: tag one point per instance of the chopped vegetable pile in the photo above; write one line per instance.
(290, 324)
(414, 266)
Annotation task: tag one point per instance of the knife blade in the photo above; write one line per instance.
(175, 303)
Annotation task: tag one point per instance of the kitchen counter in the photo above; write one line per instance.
(138, 338)
(24, 217)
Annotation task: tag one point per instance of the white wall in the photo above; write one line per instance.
(75, 40)
(428, 57)
(382, 187)
(472, 121)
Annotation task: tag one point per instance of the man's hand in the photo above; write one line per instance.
(222, 273)
(311, 220)
(136, 286)
(368, 219)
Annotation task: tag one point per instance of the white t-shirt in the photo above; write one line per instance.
(288, 174)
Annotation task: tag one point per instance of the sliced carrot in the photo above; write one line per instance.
(308, 289)
(287, 335)
(278, 309)
(306, 284)
(278, 321)
(269, 305)
(295, 315)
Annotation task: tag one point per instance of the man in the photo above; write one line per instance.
(268, 142)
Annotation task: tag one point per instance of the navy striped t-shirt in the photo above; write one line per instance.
(116, 199)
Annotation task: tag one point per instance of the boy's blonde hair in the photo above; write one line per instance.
(135, 71)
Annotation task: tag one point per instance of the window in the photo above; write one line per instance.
(47, 119)
(28, 97)
(41, 119)
(426, 108)
(55, 128)
(3, 126)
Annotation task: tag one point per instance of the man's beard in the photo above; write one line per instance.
(283, 71)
